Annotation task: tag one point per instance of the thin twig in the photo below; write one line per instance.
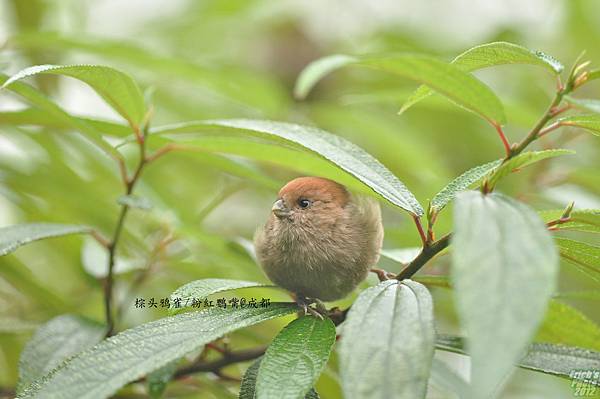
(502, 137)
(216, 365)
(421, 231)
(550, 128)
(112, 246)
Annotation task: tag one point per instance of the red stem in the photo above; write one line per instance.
(502, 137)
(420, 229)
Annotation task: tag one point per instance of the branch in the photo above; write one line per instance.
(112, 245)
(428, 252)
(534, 132)
(215, 366)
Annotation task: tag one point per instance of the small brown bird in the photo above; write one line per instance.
(320, 241)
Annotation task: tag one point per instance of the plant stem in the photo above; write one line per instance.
(534, 133)
(216, 365)
(421, 231)
(502, 137)
(112, 245)
(428, 252)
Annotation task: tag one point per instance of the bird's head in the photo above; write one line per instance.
(313, 200)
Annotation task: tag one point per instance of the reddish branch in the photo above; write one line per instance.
(214, 366)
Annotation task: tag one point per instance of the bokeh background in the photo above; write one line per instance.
(240, 58)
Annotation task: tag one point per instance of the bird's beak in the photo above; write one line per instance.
(280, 210)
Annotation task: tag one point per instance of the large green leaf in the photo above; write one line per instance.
(589, 122)
(295, 358)
(118, 89)
(336, 150)
(387, 342)
(55, 341)
(296, 159)
(488, 55)
(35, 97)
(504, 270)
(448, 80)
(12, 237)
(565, 325)
(548, 358)
(200, 289)
(520, 161)
(585, 256)
(248, 385)
(101, 370)
(461, 183)
(581, 219)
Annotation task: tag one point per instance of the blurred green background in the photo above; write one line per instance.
(233, 59)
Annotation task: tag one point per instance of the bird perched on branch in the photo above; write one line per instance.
(320, 240)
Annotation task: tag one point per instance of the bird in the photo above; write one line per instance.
(320, 240)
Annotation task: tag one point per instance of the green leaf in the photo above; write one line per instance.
(504, 53)
(587, 104)
(118, 89)
(559, 359)
(101, 370)
(336, 150)
(448, 80)
(41, 101)
(134, 201)
(554, 359)
(248, 385)
(243, 88)
(401, 255)
(445, 378)
(387, 342)
(209, 286)
(295, 359)
(12, 237)
(504, 270)
(9, 325)
(315, 71)
(520, 161)
(593, 74)
(585, 256)
(565, 325)
(489, 55)
(37, 117)
(461, 183)
(55, 341)
(159, 379)
(586, 295)
(581, 219)
(298, 160)
(588, 122)
(94, 259)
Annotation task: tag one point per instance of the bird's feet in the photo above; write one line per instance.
(382, 274)
(318, 311)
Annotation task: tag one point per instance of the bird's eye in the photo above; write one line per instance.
(303, 203)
